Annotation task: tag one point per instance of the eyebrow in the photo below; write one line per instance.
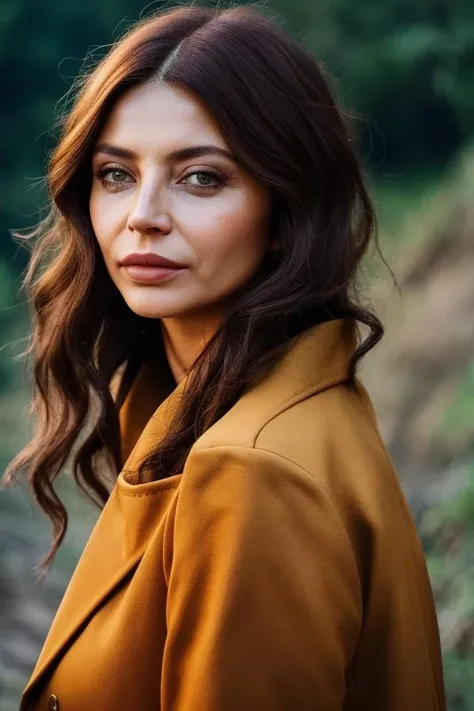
(175, 156)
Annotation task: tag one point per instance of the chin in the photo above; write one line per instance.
(153, 311)
(154, 306)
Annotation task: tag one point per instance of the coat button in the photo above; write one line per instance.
(53, 703)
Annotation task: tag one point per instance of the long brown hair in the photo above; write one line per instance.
(274, 107)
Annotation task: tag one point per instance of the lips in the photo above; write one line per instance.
(149, 260)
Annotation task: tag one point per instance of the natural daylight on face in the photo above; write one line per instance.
(198, 208)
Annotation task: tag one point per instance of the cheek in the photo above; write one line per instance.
(97, 216)
(231, 236)
(106, 218)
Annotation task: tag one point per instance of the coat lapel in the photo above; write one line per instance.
(123, 529)
(318, 358)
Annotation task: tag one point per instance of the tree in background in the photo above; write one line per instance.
(405, 66)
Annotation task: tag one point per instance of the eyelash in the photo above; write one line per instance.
(102, 172)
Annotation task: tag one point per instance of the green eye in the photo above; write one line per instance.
(112, 177)
(207, 178)
(118, 176)
(204, 180)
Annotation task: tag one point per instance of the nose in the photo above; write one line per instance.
(149, 213)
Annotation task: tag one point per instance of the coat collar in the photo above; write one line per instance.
(317, 359)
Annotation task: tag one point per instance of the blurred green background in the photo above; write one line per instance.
(407, 69)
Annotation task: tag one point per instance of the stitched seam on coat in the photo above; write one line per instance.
(300, 468)
(328, 494)
(317, 383)
(168, 547)
(148, 493)
(325, 383)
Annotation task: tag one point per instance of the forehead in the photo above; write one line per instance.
(155, 116)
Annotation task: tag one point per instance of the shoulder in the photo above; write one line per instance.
(326, 446)
(334, 435)
(331, 435)
(255, 503)
(305, 422)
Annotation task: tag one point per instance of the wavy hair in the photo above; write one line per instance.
(275, 108)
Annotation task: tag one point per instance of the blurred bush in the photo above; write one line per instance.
(421, 377)
(407, 67)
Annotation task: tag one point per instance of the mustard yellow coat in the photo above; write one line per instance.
(280, 571)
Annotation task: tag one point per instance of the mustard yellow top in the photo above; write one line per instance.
(280, 571)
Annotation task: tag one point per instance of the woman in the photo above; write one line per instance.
(254, 550)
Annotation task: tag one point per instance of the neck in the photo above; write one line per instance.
(185, 338)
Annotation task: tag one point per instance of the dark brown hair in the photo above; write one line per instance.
(275, 109)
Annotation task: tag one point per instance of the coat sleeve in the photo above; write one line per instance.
(264, 602)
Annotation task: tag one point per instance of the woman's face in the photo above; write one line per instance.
(202, 211)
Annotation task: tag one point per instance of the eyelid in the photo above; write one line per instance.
(198, 168)
(205, 169)
(112, 166)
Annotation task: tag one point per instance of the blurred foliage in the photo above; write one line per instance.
(447, 531)
(12, 326)
(406, 67)
(460, 414)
